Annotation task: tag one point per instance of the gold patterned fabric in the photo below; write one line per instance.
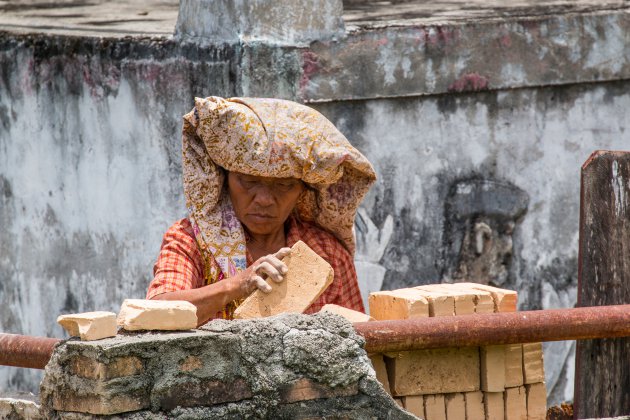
(270, 138)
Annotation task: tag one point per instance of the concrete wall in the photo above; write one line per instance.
(90, 167)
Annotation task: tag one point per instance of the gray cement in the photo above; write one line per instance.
(265, 355)
(453, 104)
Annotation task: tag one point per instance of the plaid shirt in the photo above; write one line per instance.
(180, 265)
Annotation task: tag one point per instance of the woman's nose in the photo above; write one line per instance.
(264, 196)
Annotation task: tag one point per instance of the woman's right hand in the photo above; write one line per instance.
(253, 277)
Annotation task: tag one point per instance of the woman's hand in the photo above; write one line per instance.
(253, 277)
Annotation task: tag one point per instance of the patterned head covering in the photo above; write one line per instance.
(269, 138)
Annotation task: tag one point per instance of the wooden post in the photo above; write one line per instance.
(602, 380)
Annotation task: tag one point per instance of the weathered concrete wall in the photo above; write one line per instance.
(90, 154)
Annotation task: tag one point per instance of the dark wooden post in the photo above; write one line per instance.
(602, 380)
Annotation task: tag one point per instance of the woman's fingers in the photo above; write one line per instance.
(283, 252)
(261, 284)
(271, 270)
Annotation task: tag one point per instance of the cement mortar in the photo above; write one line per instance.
(268, 355)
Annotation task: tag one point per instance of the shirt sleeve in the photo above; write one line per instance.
(179, 265)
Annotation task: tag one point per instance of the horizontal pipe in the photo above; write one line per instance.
(420, 333)
(26, 351)
(496, 328)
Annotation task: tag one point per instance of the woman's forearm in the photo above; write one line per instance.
(208, 299)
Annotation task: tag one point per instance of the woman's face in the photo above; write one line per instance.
(263, 204)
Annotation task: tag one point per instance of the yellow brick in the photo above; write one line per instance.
(492, 365)
(434, 407)
(308, 276)
(440, 303)
(513, 365)
(89, 325)
(474, 405)
(398, 304)
(455, 406)
(484, 303)
(536, 401)
(493, 405)
(434, 371)
(349, 314)
(414, 404)
(533, 367)
(464, 301)
(504, 300)
(515, 403)
(378, 363)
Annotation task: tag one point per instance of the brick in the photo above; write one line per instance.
(142, 314)
(434, 407)
(504, 300)
(455, 406)
(440, 303)
(89, 325)
(493, 405)
(474, 405)
(533, 367)
(536, 401)
(349, 314)
(513, 365)
(484, 303)
(308, 276)
(414, 404)
(434, 371)
(305, 389)
(492, 365)
(378, 363)
(99, 403)
(464, 302)
(399, 401)
(202, 393)
(398, 304)
(119, 367)
(515, 403)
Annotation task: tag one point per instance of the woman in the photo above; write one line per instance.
(259, 175)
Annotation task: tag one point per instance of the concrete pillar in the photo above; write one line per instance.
(286, 22)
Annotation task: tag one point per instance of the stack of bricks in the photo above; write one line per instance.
(487, 383)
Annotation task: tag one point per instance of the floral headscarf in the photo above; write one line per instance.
(270, 138)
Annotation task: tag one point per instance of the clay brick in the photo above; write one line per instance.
(349, 314)
(513, 365)
(474, 405)
(99, 403)
(492, 361)
(455, 406)
(399, 401)
(484, 303)
(202, 393)
(86, 367)
(398, 304)
(515, 403)
(464, 301)
(434, 371)
(308, 276)
(414, 404)
(434, 407)
(89, 325)
(504, 300)
(378, 363)
(190, 363)
(141, 314)
(440, 303)
(305, 389)
(533, 366)
(493, 405)
(536, 401)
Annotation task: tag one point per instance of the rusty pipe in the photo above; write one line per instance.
(496, 328)
(26, 351)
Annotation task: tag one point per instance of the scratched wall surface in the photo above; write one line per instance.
(90, 167)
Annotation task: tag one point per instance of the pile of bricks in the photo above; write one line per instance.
(473, 383)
